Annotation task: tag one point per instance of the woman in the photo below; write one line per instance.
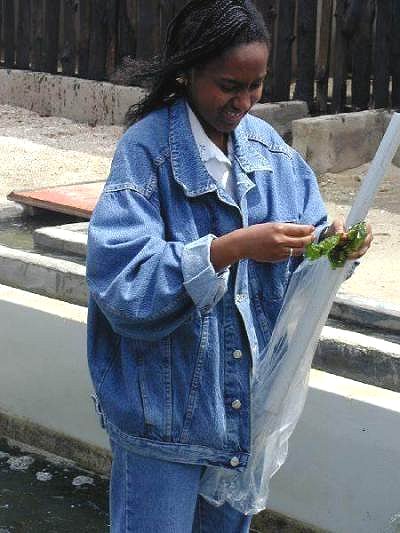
(204, 216)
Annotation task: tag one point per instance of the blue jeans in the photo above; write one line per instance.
(152, 496)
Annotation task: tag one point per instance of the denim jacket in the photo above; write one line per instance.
(171, 341)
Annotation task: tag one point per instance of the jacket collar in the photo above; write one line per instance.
(188, 168)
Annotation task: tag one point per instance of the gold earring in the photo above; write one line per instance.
(181, 80)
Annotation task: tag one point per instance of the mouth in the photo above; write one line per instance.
(233, 117)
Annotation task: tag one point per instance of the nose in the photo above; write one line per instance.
(243, 101)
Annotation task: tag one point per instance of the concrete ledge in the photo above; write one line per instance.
(342, 471)
(75, 98)
(11, 210)
(359, 357)
(68, 238)
(281, 115)
(85, 455)
(366, 312)
(39, 274)
(333, 143)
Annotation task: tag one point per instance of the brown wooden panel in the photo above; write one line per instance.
(23, 34)
(395, 57)
(364, 11)
(306, 41)
(269, 10)
(84, 38)
(9, 33)
(340, 59)
(37, 14)
(1, 30)
(68, 54)
(127, 19)
(98, 39)
(382, 53)
(324, 52)
(282, 60)
(148, 29)
(52, 24)
(112, 32)
(78, 200)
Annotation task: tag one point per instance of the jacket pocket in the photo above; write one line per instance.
(155, 389)
(196, 379)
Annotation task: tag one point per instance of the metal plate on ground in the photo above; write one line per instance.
(78, 200)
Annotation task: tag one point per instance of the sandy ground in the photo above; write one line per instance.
(42, 151)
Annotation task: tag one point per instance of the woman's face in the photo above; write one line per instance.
(225, 89)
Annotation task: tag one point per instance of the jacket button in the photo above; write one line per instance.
(240, 298)
(235, 461)
(236, 404)
(237, 354)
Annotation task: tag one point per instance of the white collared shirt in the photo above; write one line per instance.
(218, 165)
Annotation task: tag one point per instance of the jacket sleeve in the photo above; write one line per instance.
(312, 205)
(146, 286)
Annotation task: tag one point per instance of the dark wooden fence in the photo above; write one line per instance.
(335, 54)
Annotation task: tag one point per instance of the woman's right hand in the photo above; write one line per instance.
(270, 242)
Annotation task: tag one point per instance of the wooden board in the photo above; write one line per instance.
(77, 200)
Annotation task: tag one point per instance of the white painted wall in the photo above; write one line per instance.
(342, 473)
(43, 369)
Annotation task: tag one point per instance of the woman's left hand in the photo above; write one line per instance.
(338, 227)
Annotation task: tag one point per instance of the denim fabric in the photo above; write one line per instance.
(149, 495)
(171, 342)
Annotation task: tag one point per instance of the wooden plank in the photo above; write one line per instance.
(52, 24)
(148, 29)
(395, 56)
(112, 34)
(282, 60)
(340, 60)
(364, 12)
(37, 13)
(23, 34)
(98, 39)
(84, 38)
(306, 44)
(324, 52)
(167, 11)
(9, 33)
(127, 17)
(269, 10)
(1, 31)
(77, 200)
(68, 53)
(382, 53)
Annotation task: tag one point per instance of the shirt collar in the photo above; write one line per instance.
(207, 149)
(188, 168)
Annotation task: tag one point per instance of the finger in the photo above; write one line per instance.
(299, 243)
(338, 225)
(297, 230)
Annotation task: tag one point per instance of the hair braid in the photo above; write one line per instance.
(202, 29)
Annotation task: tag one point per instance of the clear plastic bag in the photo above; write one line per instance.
(280, 382)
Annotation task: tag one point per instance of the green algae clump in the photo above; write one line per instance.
(338, 247)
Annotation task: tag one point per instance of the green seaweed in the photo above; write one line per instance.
(337, 248)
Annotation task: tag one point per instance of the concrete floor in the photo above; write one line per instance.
(40, 494)
(45, 494)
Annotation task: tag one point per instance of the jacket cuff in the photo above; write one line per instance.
(204, 285)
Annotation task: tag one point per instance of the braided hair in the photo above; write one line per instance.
(202, 30)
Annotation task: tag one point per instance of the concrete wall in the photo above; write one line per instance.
(105, 103)
(332, 143)
(44, 375)
(75, 98)
(342, 472)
